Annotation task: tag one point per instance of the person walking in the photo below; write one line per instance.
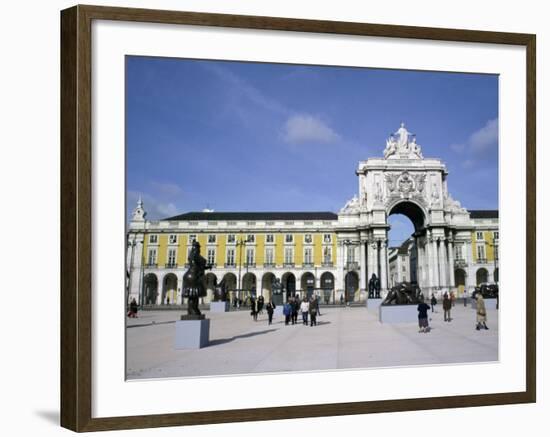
(481, 312)
(433, 302)
(295, 309)
(304, 308)
(465, 296)
(312, 313)
(254, 308)
(260, 304)
(133, 309)
(287, 311)
(316, 299)
(452, 299)
(423, 316)
(270, 308)
(447, 305)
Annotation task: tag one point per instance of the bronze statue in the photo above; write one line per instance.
(193, 282)
(488, 291)
(374, 287)
(403, 293)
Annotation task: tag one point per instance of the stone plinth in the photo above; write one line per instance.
(219, 307)
(373, 303)
(192, 334)
(490, 304)
(398, 314)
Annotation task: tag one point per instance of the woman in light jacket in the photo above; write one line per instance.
(481, 313)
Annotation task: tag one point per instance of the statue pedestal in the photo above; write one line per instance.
(192, 334)
(398, 314)
(490, 304)
(373, 303)
(219, 307)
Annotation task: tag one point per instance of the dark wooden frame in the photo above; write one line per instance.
(76, 218)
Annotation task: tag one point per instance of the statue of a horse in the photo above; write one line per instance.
(193, 281)
(402, 294)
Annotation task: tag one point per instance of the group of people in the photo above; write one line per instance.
(308, 307)
(256, 306)
(448, 303)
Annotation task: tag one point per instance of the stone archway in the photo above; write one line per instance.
(482, 275)
(211, 281)
(150, 289)
(169, 289)
(327, 286)
(289, 285)
(460, 278)
(307, 284)
(351, 282)
(267, 285)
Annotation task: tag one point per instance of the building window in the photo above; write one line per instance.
(211, 256)
(289, 255)
(289, 238)
(327, 255)
(230, 258)
(231, 238)
(212, 238)
(249, 256)
(479, 235)
(269, 256)
(171, 257)
(192, 238)
(458, 251)
(351, 254)
(495, 235)
(308, 239)
(172, 239)
(308, 255)
(250, 238)
(153, 239)
(152, 257)
(327, 238)
(269, 238)
(480, 252)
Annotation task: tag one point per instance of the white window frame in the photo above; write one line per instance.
(308, 255)
(481, 250)
(269, 237)
(289, 259)
(211, 259)
(153, 239)
(250, 255)
(269, 255)
(495, 235)
(173, 239)
(231, 238)
(191, 238)
(310, 238)
(327, 250)
(250, 238)
(211, 239)
(287, 238)
(171, 250)
(327, 238)
(479, 235)
(152, 255)
(230, 250)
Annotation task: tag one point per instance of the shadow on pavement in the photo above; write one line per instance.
(230, 339)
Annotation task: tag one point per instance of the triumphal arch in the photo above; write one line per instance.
(403, 181)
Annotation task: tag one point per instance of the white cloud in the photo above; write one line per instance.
(485, 138)
(166, 188)
(305, 128)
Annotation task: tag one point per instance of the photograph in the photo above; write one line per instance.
(285, 218)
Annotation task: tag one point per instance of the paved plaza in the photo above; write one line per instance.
(346, 337)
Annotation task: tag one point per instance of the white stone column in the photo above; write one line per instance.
(470, 269)
(435, 262)
(383, 266)
(362, 267)
(428, 262)
(179, 290)
(451, 258)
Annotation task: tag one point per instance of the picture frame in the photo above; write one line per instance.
(77, 336)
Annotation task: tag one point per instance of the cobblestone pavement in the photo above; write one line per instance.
(344, 338)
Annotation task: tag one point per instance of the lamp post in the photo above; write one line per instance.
(240, 244)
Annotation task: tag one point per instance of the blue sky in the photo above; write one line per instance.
(236, 136)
